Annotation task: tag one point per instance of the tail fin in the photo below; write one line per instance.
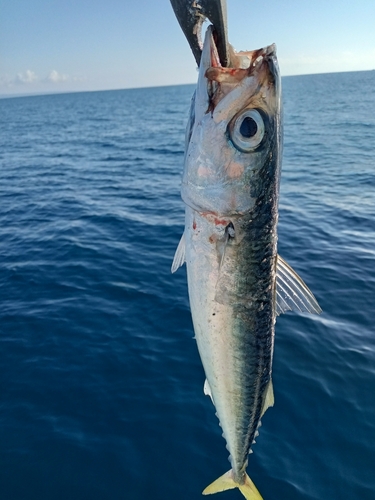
(226, 482)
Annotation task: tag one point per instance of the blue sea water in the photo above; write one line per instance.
(101, 384)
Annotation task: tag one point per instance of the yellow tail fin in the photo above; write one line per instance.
(226, 482)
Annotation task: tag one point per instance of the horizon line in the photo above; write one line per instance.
(62, 92)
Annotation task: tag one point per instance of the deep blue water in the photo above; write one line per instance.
(101, 384)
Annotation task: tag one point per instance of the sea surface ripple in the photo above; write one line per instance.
(102, 387)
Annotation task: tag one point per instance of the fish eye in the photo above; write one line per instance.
(247, 131)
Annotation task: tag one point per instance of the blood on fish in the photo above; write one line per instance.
(194, 225)
(220, 222)
(213, 218)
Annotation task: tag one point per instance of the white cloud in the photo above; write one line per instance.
(56, 77)
(30, 79)
(26, 77)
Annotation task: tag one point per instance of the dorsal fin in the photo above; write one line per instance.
(292, 294)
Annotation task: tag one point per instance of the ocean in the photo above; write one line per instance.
(101, 383)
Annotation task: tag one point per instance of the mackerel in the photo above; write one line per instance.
(237, 282)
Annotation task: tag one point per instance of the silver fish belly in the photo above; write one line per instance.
(231, 189)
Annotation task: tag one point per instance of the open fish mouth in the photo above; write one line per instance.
(243, 63)
(220, 80)
(191, 16)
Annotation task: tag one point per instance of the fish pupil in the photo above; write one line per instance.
(248, 127)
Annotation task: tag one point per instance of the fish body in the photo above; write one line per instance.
(230, 187)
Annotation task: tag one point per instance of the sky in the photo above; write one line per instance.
(78, 45)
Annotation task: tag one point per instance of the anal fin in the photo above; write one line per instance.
(269, 399)
(207, 390)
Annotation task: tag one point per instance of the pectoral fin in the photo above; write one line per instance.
(292, 294)
(179, 256)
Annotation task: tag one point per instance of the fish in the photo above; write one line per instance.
(237, 282)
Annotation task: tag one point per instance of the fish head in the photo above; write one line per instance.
(233, 138)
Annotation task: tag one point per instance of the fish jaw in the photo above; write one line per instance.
(217, 175)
